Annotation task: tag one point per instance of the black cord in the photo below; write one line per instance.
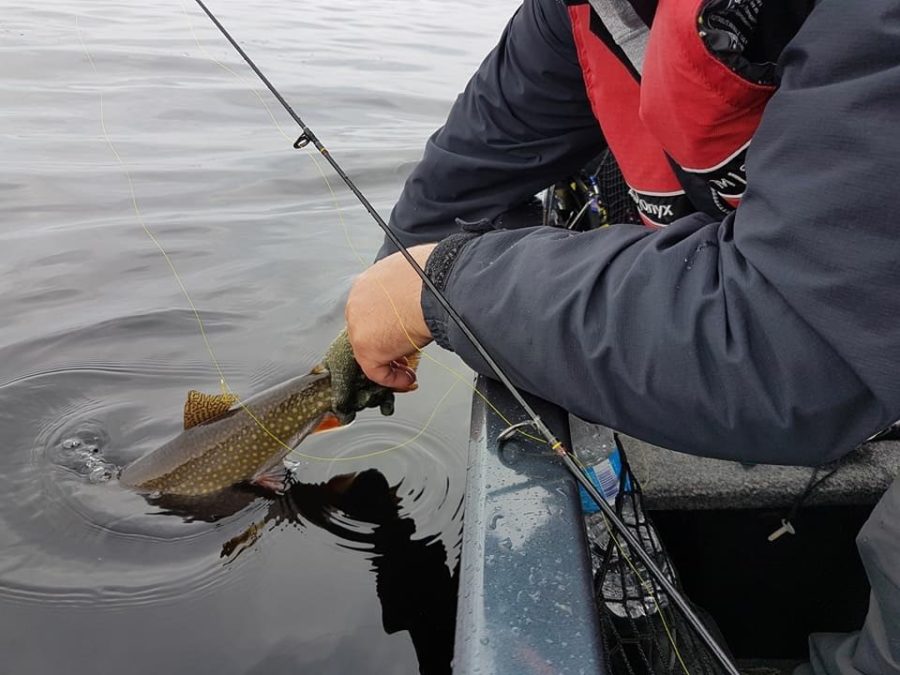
(811, 486)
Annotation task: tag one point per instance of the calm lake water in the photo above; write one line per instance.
(98, 345)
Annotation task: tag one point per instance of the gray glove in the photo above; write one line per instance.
(351, 390)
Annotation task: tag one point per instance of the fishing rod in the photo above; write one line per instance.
(306, 137)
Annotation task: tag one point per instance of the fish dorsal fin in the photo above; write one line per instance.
(200, 407)
(413, 360)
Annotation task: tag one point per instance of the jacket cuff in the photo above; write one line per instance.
(438, 267)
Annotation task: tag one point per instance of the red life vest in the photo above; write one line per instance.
(672, 112)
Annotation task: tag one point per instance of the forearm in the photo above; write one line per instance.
(769, 336)
(668, 336)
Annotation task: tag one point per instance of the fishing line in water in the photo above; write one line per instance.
(569, 460)
(459, 376)
(143, 222)
(577, 469)
(308, 137)
(223, 381)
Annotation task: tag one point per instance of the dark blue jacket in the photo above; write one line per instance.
(771, 335)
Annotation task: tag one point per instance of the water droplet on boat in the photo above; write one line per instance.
(510, 454)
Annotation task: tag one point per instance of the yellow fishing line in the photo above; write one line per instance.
(647, 585)
(141, 220)
(644, 584)
(384, 451)
(460, 377)
(345, 228)
(223, 382)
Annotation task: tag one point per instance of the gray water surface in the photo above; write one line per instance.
(98, 345)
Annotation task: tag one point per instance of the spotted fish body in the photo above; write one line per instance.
(224, 444)
(234, 447)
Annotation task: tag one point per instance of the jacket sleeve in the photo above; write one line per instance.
(771, 336)
(523, 121)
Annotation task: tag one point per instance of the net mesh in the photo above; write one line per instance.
(642, 630)
(594, 197)
(614, 191)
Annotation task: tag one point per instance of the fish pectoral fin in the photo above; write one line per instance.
(276, 478)
(200, 407)
(328, 422)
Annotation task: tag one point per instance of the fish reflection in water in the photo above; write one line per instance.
(415, 587)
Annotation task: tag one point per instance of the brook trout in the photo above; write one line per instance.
(224, 444)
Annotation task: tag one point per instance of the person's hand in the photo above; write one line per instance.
(385, 321)
(351, 390)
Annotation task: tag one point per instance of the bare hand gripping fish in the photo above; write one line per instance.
(223, 445)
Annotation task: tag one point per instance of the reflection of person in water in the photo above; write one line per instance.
(416, 589)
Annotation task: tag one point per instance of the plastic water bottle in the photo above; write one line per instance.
(627, 588)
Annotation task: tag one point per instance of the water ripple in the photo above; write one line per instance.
(420, 470)
(88, 534)
(98, 349)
